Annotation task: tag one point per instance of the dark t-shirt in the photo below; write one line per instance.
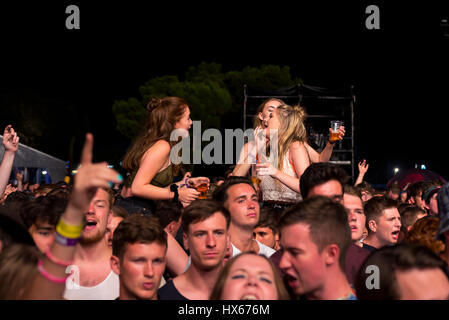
(369, 248)
(169, 292)
(355, 256)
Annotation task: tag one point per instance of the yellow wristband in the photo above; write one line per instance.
(69, 231)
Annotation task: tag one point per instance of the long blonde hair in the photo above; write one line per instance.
(164, 114)
(291, 129)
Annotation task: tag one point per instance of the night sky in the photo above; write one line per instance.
(400, 72)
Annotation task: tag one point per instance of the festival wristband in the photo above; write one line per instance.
(57, 261)
(69, 231)
(67, 242)
(48, 276)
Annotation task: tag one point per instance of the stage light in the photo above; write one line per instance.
(423, 167)
(396, 170)
(44, 172)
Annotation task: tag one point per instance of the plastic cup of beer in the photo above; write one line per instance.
(335, 126)
(202, 189)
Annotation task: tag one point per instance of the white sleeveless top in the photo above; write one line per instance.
(274, 190)
(108, 289)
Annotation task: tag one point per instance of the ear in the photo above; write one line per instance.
(331, 254)
(110, 215)
(372, 225)
(184, 239)
(260, 116)
(115, 265)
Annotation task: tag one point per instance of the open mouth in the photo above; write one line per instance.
(249, 297)
(90, 224)
(395, 234)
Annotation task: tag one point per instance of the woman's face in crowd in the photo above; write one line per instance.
(185, 122)
(273, 122)
(269, 107)
(250, 278)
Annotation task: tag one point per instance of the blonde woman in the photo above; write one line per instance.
(294, 153)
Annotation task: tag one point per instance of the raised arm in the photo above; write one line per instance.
(244, 164)
(326, 154)
(176, 256)
(363, 168)
(11, 144)
(50, 281)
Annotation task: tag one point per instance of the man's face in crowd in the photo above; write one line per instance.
(418, 201)
(43, 235)
(331, 189)
(301, 261)
(433, 204)
(243, 205)
(356, 215)
(388, 227)
(112, 225)
(140, 269)
(207, 241)
(266, 236)
(422, 284)
(97, 218)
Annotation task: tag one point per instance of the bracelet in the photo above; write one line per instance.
(48, 276)
(57, 261)
(69, 231)
(67, 242)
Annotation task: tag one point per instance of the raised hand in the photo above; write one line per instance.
(90, 177)
(266, 169)
(10, 139)
(363, 167)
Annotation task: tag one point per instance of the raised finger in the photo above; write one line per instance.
(86, 155)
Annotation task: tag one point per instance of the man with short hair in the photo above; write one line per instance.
(169, 215)
(93, 278)
(139, 248)
(411, 214)
(118, 214)
(352, 201)
(205, 225)
(314, 238)
(40, 216)
(414, 194)
(405, 272)
(238, 195)
(383, 223)
(325, 179)
(266, 230)
(430, 200)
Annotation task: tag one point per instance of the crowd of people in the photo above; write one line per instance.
(288, 227)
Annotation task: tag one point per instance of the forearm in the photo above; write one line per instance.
(5, 169)
(359, 178)
(176, 256)
(151, 192)
(19, 185)
(289, 181)
(42, 288)
(326, 154)
(241, 169)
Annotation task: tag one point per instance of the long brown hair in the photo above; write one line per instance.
(164, 114)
